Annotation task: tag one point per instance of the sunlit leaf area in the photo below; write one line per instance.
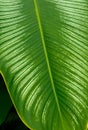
(44, 64)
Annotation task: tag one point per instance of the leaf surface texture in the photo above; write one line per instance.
(44, 61)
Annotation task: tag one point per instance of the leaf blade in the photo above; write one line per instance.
(47, 59)
(23, 62)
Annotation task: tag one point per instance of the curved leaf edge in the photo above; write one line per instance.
(20, 116)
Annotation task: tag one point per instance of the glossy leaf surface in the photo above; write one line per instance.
(44, 61)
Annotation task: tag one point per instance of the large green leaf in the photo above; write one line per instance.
(44, 61)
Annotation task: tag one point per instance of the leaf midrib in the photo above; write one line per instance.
(46, 56)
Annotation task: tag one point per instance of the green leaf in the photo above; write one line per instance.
(44, 61)
(5, 101)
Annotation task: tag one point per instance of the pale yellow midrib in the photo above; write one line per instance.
(46, 56)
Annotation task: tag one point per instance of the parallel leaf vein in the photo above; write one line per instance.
(46, 56)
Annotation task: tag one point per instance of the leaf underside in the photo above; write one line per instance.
(44, 61)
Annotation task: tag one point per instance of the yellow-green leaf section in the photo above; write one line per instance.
(44, 61)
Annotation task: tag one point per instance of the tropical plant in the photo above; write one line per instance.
(44, 62)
